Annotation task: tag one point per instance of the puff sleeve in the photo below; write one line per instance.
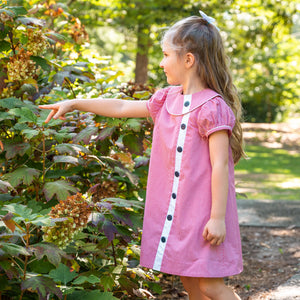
(215, 115)
(156, 102)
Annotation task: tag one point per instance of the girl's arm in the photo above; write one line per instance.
(115, 108)
(215, 229)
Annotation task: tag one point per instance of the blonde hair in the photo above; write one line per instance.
(202, 39)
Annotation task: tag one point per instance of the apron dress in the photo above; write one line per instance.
(178, 199)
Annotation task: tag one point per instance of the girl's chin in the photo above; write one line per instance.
(171, 82)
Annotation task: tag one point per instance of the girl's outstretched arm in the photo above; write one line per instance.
(114, 108)
(215, 230)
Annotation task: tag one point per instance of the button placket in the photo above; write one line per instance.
(173, 199)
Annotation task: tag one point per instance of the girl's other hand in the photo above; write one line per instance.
(215, 231)
(58, 110)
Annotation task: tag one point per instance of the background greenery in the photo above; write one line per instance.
(269, 174)
(72, 192)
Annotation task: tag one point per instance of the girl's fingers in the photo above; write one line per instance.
(47, 106)
(50, 116)
(205, 233)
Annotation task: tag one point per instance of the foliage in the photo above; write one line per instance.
(103, 161)
(265, 56)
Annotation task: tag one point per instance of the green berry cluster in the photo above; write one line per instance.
(7, 92)
(20, 67)
(36, 43)
(75, 212)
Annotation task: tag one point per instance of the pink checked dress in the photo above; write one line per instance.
(178, 201)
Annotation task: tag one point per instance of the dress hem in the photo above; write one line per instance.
(200, 275)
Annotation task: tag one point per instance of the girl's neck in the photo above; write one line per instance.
(192, 87)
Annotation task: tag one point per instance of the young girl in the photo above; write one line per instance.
(190, 224)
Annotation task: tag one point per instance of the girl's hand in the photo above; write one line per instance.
(215, 231)
(58, 110)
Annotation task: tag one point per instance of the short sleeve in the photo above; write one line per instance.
(215, 115)
(156, 102)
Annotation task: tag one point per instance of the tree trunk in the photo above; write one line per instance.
(141, 61)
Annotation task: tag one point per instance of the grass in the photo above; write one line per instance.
(268, 174)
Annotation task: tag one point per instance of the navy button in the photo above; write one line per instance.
(179, 149)
(169, 217)
(163, 239)
(174, 196)
(183, 126)
(186, 103)
(177, 174)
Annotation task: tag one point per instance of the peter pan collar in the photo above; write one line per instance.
(175, 100)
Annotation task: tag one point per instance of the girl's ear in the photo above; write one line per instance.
(189, 60)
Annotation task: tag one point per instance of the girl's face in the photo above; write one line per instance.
(173, 65)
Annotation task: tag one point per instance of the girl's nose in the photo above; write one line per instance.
(161, 64)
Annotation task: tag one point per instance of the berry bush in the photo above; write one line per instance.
(72, 192)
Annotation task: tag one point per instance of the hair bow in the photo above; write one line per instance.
(209, 20)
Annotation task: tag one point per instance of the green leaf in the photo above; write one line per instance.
(22, 175)
(56, 37)
(25, 114)
(16, 149)
(13, 249)
(55, 174)
(42, 62)
(119, 202)
(4, 46)
(82, 279)
(31, 21)
(40, 220)
(19, 210)
(59, 188)
(133, 143)
(62, 274)
(105, 132)
(85, 134)
(42, 266)
(20, 127)
(91, 295)
(44, 286)
(134, 124)
(51, 251)
(17, 10)
(67, 159)
(107, 282)
(72, 149)
(11, 102)
(5, 116)
(30, 133)
(127, 284)
(155, 287)
(24, 213)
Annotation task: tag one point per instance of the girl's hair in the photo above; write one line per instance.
(202, 39)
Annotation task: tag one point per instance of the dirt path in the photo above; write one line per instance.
(279, 135)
